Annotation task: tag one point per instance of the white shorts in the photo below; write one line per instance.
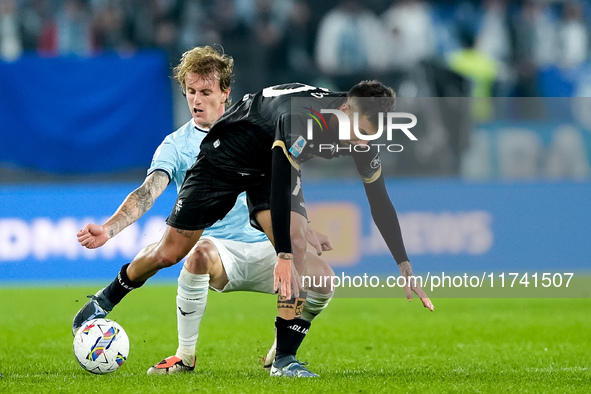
(249, 266)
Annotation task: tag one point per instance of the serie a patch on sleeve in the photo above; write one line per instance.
(298, 146)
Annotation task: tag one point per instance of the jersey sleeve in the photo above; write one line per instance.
(383, 212)
(290, 137)
(165, 159)
(280, 201)
(385, 217)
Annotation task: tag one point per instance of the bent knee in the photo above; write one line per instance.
(202, 257)
(317, 266)
(325, 269)
(321, 274)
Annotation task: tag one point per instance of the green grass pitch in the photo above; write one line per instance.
(356, 345)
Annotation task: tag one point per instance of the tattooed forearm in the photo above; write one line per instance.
(138, 202)
(285, 256)
(113, 232)
(143, 200)
(147, 193)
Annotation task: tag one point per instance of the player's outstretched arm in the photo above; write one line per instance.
(281, 220)
(386, 220)
(385, 217)
(135, 205)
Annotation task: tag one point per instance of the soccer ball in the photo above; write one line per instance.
(101, 346)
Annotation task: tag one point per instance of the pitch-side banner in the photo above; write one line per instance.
(448, 226)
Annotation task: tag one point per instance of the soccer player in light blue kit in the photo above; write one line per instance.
(231, 255)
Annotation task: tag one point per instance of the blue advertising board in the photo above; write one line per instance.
(84, 115)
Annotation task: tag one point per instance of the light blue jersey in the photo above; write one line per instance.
(176, 155)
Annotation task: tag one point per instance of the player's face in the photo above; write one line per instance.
(205, 98)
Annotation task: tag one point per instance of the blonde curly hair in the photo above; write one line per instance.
(207, 62)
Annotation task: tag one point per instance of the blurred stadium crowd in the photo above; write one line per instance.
(448, 48)
(499, 41)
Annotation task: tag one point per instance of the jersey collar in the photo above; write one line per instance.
(199, 128)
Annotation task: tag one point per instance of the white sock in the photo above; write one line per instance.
(315, 303)
(191, 301)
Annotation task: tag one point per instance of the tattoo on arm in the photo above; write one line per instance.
(285, 256)
(138, 202)
(185, 233)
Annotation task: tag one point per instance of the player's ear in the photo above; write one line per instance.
(225, 95)
(345, 107)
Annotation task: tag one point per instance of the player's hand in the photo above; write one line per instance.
(283, 276)
(413, 286)
(93, 236)
(319, 241)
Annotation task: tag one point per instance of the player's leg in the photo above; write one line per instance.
(202, 269)
(249, 267)
(290, 328)
(172, 248)
(320, 291)
(199, 204)
(318, 296)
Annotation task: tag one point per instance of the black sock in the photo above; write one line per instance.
(290, 334)
(121, 286)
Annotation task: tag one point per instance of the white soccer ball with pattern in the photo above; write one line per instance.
(101, 346)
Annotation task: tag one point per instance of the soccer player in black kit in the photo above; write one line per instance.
(257, 146)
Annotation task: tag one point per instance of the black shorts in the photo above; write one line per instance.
(209, 193)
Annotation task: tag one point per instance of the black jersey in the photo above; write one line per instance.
(271, 133)
(287, 116)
